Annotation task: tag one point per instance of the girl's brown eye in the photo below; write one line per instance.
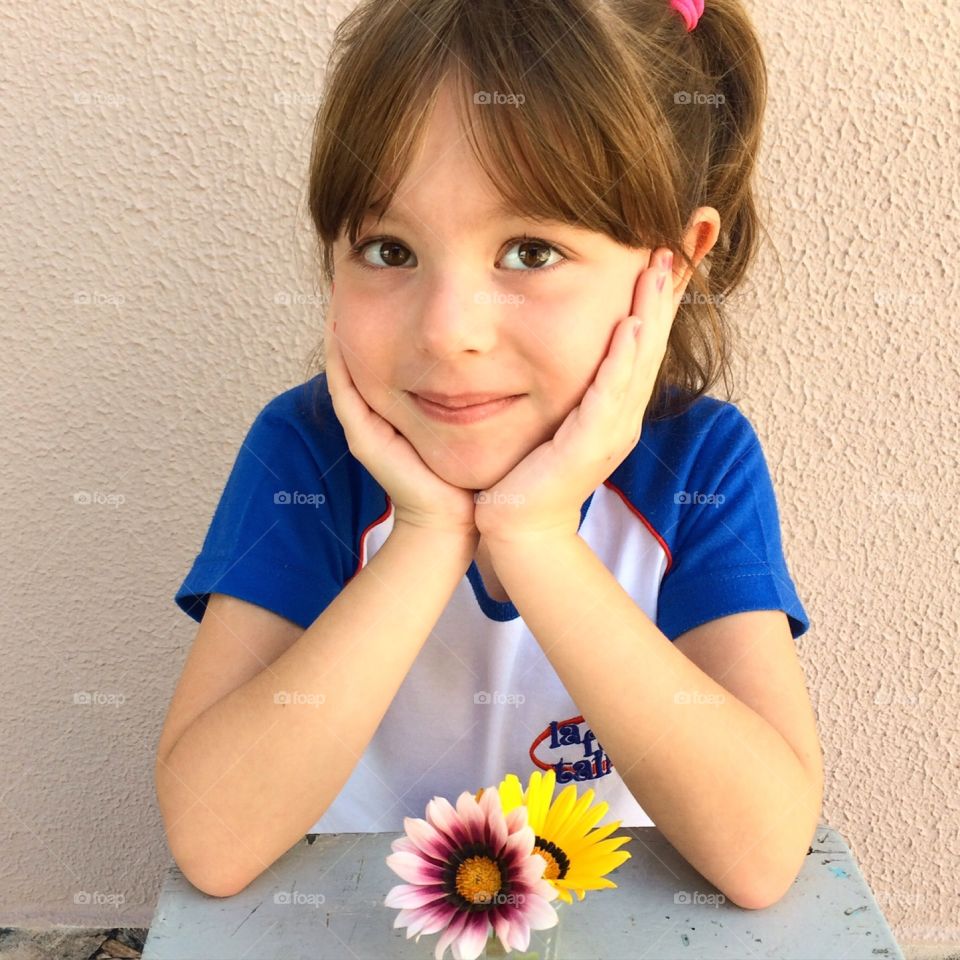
(539, 259)
(533, 258)
(389, 251)
(535, 262)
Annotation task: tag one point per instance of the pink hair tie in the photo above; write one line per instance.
(690, 10)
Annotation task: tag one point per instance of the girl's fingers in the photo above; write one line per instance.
(342, 392)
(654, 297)
(339, 366)
(647, 306)
(651, 309)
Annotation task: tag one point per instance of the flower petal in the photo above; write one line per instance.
(412, 896)
(431, 919)
(564, 894)
(559, 811)
(517, 819)
(449, 935)
(428, 838)
(403, 843)
(531, 869)
(545, 889)
(519, 932)
(519, 844)
(501, 927)
(495, 827)
(471, 816)
(511, 793)
(472, 938)
(539, 914)
(413, 868)
(402, 918)
(539, 795)
(441, 814)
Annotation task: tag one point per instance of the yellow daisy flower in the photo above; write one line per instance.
(578, 857)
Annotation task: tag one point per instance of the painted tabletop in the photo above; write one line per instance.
(324, 899)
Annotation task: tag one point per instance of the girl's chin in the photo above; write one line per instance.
(459, 470)
(459, 476)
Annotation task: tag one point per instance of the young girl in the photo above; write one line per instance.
(506, 528)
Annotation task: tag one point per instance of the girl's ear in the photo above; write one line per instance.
(702, 232)
(703, 229)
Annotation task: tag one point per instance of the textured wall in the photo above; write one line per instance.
(156, 292)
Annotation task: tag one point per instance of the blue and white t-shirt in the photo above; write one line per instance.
(688, 524)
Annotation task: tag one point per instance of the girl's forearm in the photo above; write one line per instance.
(251, 775)
(718, 780)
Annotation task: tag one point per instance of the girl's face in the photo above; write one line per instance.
(455, 302)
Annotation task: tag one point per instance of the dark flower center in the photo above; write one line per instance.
(474, 879)
(558, 863)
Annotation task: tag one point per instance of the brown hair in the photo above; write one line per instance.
(627, 125)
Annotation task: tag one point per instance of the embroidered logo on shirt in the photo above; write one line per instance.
(573, 753)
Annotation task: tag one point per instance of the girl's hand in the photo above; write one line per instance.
(419, 496)
(542, 495)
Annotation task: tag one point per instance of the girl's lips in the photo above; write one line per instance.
(471, 414)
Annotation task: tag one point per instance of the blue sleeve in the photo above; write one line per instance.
(727, 555)
(273, 540)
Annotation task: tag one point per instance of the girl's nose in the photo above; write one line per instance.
(455, 318)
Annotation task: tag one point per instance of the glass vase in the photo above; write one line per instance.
(544, 944)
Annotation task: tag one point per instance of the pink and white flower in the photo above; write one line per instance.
(470, 869)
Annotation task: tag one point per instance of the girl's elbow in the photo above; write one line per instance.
(767, 885)
(213, 884)
(759, 899)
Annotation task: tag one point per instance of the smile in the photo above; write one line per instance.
(470, 414)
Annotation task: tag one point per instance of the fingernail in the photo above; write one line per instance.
(666, 260)
(637, 326)
(660, 282)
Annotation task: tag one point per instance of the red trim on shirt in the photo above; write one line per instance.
(644, 521)
(363, 536)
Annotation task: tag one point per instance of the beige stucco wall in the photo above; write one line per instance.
(156, 292)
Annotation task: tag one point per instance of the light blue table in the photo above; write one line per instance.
(323, 899)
